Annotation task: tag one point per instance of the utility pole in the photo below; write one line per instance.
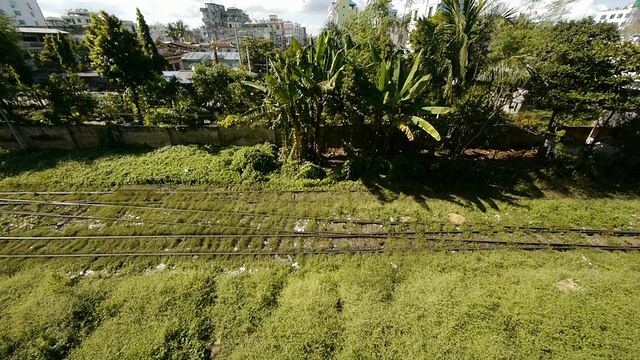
(248, 59)
(235, 27)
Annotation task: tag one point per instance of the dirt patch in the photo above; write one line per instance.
(567, 285)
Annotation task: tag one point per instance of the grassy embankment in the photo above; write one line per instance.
(501, 304)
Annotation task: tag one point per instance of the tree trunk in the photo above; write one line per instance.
(136, 103)
(552, 121)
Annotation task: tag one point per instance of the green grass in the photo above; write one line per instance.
(489, 305)
(430, 305)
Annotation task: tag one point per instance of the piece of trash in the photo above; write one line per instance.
(301, 225)
(237, 271)
(498, 218)
(394, 266)
(456, 219)
(295, 266)
(584, 258)
(161, 267)
(283, 260)
(568, 285)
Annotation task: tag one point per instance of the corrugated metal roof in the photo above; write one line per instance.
(35, 30)
(198, 56)
(229, 55)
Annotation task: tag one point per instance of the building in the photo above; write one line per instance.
(26, 13)
(33, 38)
(75, 21)
(233, 24)
(218, 20)
(421, 8)
(621, 17)
(341, 10)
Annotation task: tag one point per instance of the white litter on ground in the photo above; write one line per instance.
(301, 225)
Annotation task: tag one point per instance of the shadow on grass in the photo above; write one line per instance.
(483, 182)
(16, 162)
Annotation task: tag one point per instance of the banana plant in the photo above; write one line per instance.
(298, 90)
(399, 95)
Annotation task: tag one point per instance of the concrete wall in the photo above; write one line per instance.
(87, 136)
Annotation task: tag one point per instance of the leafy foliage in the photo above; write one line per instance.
(259, 51)
(586, 68)
(66, 99)
(148, 46)
(58, 54)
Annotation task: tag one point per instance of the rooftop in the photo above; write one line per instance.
(38, 30)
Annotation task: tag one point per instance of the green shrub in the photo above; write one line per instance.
(255, 160)
(306, 170)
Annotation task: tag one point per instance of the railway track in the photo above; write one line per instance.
(168, 226)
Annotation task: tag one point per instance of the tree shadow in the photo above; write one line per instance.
(483, 182)
(16, 162)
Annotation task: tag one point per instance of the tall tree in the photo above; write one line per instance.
(178, 31)
(58, 53)
(118, 56)
(466, 73)
(580, 67)
(148, 46)
(259, 50)
(13, 68)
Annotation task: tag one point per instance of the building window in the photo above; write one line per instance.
(29, 6)
(17, 12)
(13, 4)
(21, 22)
(627, 15)
(619, 16)
(1, 12)
(430, 10)
(37, 23)
(603, 17)
(32, 14)
(612, 16)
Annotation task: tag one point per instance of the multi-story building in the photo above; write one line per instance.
(233, 24)
(24, 12)
(421, 8)
(621, 17)
(217, 19)
(341, 10)
(75, 21)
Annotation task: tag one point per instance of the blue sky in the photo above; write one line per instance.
(309, 13)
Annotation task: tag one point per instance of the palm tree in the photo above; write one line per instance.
(178, 31)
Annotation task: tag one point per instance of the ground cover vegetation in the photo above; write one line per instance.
(501, 304)
(467, 63)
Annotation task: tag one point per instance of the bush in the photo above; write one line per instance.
(306, 170)
(255, 160)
